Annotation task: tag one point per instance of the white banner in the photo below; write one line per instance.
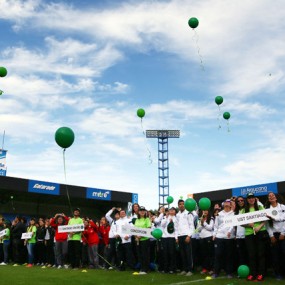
(252, 217)
(3, 233)
(135, 231)
(27, 235)
(71, 228)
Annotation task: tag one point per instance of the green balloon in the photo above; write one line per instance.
(169, 199)
(243, 271)
(141, 113)
(226, 115)
(64, 137)
(219, 100)
(190, 204)
(204, 204)
(157, 233)
(193, 23)
(3, 71)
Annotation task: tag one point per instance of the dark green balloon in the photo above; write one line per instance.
(169, 199)
(193, 23)
(226, 115)
(243, 271)
(204, 204)
(3, 71)
(190, 204)
(141, 113)
(157, 233)
(64, 137)
(219, 100)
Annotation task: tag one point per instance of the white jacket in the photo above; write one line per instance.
(278, 225)
(185, 223)
(164, 224)
(118, 228)
(220, 229)
(207, 229)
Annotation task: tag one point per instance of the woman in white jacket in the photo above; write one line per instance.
(205, 228)
(223, 242)
(276, 230)
(169, 226)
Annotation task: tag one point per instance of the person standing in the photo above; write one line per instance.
(31, 242)
(223, 238)
(185, 230)
(143, 244)
(169, 236)
(6, 242)
(17, 229)
(276, 230)
(256, 240)
(74, 240)
(61, 245)
(125, 253)
(111, 253)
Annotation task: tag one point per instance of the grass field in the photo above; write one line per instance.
(10, 275)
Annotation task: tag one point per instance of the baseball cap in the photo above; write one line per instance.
(142, 208)
(250, 195)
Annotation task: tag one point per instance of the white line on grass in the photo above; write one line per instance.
(193, 281)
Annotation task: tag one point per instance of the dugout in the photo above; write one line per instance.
(43, 199)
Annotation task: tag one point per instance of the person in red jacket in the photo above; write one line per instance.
(104, 240)
(61, 245)
(91, 235)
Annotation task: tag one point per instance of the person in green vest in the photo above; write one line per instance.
(74, 240)
(256, 240)
(143, 243)
(31, 242)
(5, 240)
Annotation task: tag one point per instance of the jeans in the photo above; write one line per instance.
(31, 248)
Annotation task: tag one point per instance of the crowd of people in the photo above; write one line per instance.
(196, 241)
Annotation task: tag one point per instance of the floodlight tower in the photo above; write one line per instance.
(163, 163)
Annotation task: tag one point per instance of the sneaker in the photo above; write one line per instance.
(259, 277)
(182, 273)
(29, 265)
(3, 263)
(49, 265)
(189, 273)
(204, 271)
(142, 273)
(24, 264)
(110, 268)
(43, 267)
(66, 266)
(59, 267)
(170, 272)
(211, 272)
(54, 266)
(15, 264)
(229, 276)
(250, 278)
(214, 276)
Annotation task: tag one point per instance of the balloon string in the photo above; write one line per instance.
(149, 153)
(219, 118)
(196, 39)
(66, 188)
(228, 123)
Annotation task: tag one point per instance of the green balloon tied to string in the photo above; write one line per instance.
(193, 23)
(227, 116)
(243, 271)
(64, 137)
(204, 204)
(157, 233)
(3, 71)
(190, 204)
(169, 199)
(141, 114)
(219, 101)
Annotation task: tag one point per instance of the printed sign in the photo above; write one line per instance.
(71, 228)
(135, 198)
(252, 217)
(135, 231)
(98, 194)
(43, 187)
(27, 235)
(257, 190)
(3, 233)
(3, 168)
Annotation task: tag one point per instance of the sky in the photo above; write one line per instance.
(89, 65)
